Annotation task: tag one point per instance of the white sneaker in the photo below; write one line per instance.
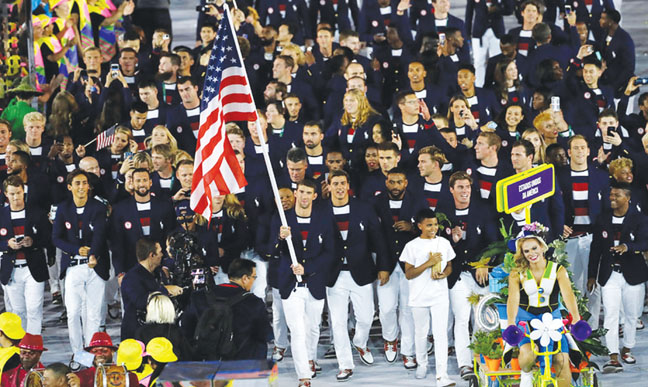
(421, 372)
(526, 379)
(409, 362)
(391, 350)
(445, 381)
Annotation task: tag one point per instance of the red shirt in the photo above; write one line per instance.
(16, 376)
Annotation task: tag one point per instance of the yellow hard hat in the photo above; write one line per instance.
(11, 326)
(161, 350)
(130, 354)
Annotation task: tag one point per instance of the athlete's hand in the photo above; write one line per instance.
(383, 277)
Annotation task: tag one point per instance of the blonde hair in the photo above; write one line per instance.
(172, 141)
(142, 157)
(160, 309)
(232, 128)
(234, 208)
(34, 117)
(19, 145)
(181, 155)
(540, 153)
(618, 164)
(521, 263)
(542, 118)
(300, 58)
(364, 109)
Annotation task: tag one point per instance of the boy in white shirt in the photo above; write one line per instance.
(426, 267)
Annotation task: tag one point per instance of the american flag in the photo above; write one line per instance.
(226, 97)
(106, 137)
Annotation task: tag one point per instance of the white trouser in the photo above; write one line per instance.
(279, 326)
(55, 273)
(83, 286)
(484, 48)
(303, 316)
(5, 298)
(261, 282)
(338, 301)
(395, 294)
(616, 292)
(439, 313)
(26, 298)
(578, 250)
(461, 309)
(111, 294)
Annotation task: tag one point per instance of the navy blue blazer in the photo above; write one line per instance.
(38, 229)
(364, 236)
(296, 12)
(136, 286)
(396, 240)
(619, 55)
(65, 234)
(479, 19)
(634, 234)
(127, 229)
(598, 192)
(372, 22)
(336, 15)
(317, 256)
(481, 230)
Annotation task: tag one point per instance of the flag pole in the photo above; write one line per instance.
(266, 155)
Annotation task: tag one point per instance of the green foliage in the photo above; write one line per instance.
(593, 343)
(487, 344)
(443, 221)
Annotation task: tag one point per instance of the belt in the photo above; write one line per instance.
(75, 262)
(616, 267)
(301, 285)
(20, 265)
(344, 267)
(581, 236)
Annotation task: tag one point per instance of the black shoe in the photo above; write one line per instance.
(466, 372)
(57, 299)
(330, 352)
(63, 317)
(344, 375)
(612, 367)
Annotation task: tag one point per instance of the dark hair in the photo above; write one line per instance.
(209, 25)
(401, 95)
(541, 33)
(642, 98)
(174, 58)
(425, 213)
(8, 124)
(23, 157)
(138, 170)
(131, 35)
(147, 83)
(296, 155)
(592, 59)
(338, 173)
(184, 162)
(240, 267)
(555, 147)
(397, 171)
(613, 14)
(508, 39)
(308, 182)
(292, 28)
(278, 105)
(622, 186)
(529, 149)
(139, 106)
(388, 146)
(459, 175)
(608, 112)
(314, 124)
(288, 60)
(127, 49)
(467, 66)
(75, 173)
(144, 247)
(182, 80)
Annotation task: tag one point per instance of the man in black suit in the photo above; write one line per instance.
(23, 271)
(616, 263)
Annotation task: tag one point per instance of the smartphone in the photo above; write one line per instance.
(568, 9)
(611, 129)
(20, 238)
(492, 125)
(641, 81)
(442, 38)
(127, 154)
(114, 69)
(555, 103)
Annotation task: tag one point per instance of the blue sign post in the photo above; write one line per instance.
(521, 190)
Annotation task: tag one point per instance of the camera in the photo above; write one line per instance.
(641, 81)
(555, 104)
(442, 38)
(568, 9)
(189, 269)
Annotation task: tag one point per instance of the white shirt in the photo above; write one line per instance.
(423, 290)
